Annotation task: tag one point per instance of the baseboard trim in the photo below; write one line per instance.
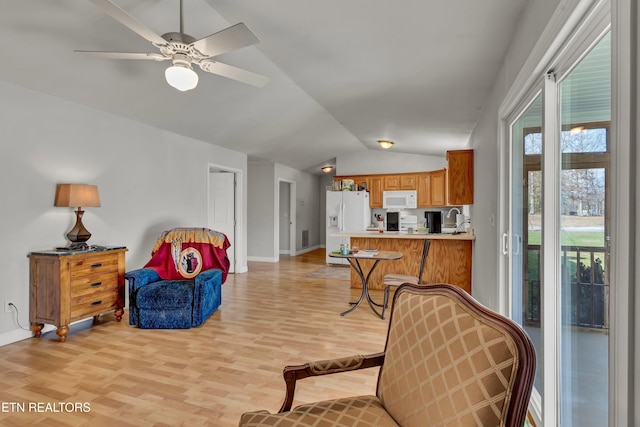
(261, 259)
(309, 249)
(16, 335)
(277, 259)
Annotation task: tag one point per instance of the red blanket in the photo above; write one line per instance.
(182, 253)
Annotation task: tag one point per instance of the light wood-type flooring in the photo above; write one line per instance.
(270, 317)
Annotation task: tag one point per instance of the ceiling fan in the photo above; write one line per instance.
(184, 50)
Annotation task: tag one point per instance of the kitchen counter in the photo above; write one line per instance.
(448, 261)
(404, 235)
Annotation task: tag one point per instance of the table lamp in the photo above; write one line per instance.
(76, 196)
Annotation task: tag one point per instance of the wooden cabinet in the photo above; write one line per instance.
(449, 259)
(438, 188)
(459, 177)
(70, 286)
(374, 186)
(408, 182)
(400, 182)
(452, 186)
(432, 189)
(391, 182)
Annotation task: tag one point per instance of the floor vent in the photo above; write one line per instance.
(305, 238)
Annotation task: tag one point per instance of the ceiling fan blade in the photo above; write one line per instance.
(124, 55)
(129, 21)
(232, 38)
(234, 73)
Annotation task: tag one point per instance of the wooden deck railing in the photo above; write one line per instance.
(585, 286)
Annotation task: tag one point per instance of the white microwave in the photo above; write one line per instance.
(400, 199)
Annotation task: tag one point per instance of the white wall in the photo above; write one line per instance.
(484, 141)
(377, 161)
(262, 204)
(149, 180)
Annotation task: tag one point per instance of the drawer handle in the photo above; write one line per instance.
(96, 302)
(96, 284)
(96, 265)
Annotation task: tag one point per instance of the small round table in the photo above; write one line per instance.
(354, 260)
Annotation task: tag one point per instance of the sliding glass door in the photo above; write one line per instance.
(558, 244)
(585, 112)
(525, 223)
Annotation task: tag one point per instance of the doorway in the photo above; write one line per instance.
(221, 209)
(286, 218)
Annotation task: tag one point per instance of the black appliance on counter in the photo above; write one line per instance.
(434, 221)
(393, 221)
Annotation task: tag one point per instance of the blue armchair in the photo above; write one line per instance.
(181, 286)
(172, 304)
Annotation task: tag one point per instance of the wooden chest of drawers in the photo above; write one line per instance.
(70, 286)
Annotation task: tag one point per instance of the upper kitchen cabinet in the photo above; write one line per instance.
(432, 188)
(459, 177)
(400, 182)
(452, 186)
(374, 186)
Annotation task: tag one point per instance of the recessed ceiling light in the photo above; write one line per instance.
(386, 144)
(576, 130)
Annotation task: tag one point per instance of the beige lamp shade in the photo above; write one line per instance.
(77, 195)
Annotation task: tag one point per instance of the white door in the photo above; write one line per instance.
(221, 216)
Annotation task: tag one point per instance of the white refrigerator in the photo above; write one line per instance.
(346, 211)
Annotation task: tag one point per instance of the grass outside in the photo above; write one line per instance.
(573, 238)
(535, 221)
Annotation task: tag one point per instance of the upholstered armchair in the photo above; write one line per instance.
(448, 361)
(181, 286)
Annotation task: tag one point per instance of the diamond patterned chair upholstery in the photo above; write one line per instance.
(448, 361)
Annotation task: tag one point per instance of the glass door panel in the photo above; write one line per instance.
(525, 225)
(585, 113)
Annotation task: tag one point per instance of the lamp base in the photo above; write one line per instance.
(78, 234)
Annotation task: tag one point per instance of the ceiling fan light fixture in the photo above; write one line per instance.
(385, 144)
(181, 76)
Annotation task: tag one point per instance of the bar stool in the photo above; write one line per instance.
(395, 280)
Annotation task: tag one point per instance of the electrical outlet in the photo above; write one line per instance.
(8, 306)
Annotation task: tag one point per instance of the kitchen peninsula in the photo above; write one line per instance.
(448, 259)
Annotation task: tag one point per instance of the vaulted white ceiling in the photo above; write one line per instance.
(343, 73)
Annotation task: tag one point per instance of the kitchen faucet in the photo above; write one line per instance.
(451, 210)
(460, 220)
